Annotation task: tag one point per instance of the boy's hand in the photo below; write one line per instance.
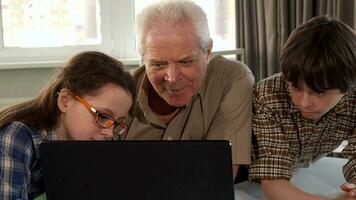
(350, 191)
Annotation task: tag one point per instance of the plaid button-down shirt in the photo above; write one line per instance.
(284, 140)
(20, 169)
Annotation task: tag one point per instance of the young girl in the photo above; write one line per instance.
(89, 98)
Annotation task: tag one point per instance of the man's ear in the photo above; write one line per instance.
(210, 47)
(63, 100)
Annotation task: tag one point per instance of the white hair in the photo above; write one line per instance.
(174, 12)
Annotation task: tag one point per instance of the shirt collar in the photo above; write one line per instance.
(343, 106)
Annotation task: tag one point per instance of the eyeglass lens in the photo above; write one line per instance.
(106, 121)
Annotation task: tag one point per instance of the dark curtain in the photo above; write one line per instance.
(263, 26)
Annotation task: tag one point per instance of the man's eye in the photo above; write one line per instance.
(157, 65)
(186, 62)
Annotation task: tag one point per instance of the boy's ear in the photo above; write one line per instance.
(63, 100)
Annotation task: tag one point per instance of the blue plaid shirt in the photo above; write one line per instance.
(20, 167)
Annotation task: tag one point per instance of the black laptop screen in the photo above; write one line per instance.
(137, 170)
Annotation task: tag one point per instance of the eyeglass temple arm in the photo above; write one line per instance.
(86, 104)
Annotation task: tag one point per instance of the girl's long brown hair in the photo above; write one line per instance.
(83, 74)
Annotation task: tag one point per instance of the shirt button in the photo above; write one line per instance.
(23, 193)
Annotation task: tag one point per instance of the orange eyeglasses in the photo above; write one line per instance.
(103, 120)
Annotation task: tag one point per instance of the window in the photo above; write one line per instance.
(40, 32)
(48, 23)
(221, 19)
(44, 33)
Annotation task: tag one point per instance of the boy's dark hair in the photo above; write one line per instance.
(322, 53)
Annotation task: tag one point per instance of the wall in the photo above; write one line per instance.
(20, 84)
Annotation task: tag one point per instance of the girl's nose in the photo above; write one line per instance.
(107, 133)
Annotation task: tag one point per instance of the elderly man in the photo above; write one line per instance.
(183, 93)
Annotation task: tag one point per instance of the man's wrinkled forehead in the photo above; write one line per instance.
(184, 29)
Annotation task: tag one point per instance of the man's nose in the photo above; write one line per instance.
(172, 73)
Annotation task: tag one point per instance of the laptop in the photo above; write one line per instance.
(137, 170)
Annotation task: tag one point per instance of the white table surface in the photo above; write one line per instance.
(323, 177)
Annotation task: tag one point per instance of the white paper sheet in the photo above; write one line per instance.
(323, 178)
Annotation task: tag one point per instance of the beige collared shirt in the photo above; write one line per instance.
(220, 111)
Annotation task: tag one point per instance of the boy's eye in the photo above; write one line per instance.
(320, 94)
